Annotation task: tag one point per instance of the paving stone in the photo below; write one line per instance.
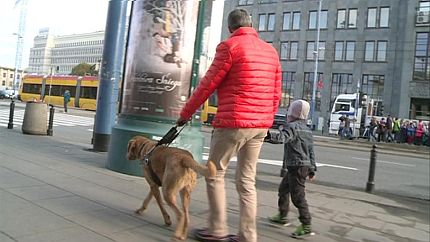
(35, 193)
(358, 234)
(106, 221)
(69, 205)
(406, 232)
(389, 218)
(73, 234)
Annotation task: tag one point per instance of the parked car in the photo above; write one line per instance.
(3, 94)
(280, 119)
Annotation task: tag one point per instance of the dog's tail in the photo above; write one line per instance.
(208, 170)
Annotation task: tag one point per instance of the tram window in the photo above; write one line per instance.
(32, 88)
(57, 90)
(89, 92)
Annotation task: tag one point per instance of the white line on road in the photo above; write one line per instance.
(279, 163)
(385, 162)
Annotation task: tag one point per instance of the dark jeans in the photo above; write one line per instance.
(293, 184)
(65, 107)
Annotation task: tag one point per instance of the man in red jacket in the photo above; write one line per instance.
(247, 76)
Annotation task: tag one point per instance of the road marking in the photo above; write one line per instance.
(279, 163)
(385, 162)
(60, 119)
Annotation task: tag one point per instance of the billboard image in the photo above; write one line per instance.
(159, 57)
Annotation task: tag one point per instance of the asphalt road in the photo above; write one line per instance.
(339, 167)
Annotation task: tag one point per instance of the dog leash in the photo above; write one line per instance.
(166, 140)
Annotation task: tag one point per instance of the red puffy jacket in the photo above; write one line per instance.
(247, 76)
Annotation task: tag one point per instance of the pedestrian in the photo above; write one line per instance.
(300, 160)
(341, 131)
(419, 132)
(66, 97)
(246, 75)
(396, 130)
(389, 129)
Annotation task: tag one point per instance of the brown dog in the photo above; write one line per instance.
(176, 169)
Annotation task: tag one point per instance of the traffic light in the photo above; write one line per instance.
(362, 99)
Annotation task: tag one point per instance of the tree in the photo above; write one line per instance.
(84, 69)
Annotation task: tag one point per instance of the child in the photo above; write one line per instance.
(300, 160)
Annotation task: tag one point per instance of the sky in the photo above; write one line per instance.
(62, 16)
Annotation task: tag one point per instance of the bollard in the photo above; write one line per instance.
(49, 132)
(12, 109)
(371, 181)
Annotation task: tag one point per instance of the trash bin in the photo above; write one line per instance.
(35, 118)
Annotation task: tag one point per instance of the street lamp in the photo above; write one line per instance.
(17, 60)
(316, 53)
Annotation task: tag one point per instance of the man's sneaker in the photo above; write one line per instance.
(277, 219)
(302, 231)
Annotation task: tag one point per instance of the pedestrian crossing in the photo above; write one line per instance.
(60, 119)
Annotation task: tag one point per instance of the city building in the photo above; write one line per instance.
(59, 54)
(380, 47)
(7, 78)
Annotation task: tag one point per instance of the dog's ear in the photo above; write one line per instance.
(130, 145)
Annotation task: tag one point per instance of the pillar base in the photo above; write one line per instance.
(190, 139)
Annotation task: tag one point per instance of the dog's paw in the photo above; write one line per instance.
(167, 220)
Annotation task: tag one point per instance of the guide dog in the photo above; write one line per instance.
(176, 169)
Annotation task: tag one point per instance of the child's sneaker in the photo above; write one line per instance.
(277, 219)
(302, 231)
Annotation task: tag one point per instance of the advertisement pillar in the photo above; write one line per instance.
(157, 78)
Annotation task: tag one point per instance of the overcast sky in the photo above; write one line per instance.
(63, 16)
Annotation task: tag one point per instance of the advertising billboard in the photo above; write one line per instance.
(159, 57)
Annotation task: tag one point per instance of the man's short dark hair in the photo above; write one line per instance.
(239, 18)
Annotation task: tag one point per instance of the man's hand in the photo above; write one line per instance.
(181, 121)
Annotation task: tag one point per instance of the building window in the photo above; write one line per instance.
(11, 75)
(382, 51)
(373, 86)
(4, 74)
(420, 108)
(313, 19)
(271, 22)
(380, 20)
(384, 17)
(369, 51)
(352, 18)
(284, 51)
(371, 17)
(288, 82)
(296, 20)
(294, 50)
(311, 48)
(267, 1)
(341, 18)
(340, 83)
(308, 89)
(350, 51)
(262, 22)
(338, 52)
(289, 50)
(286, 21)
(422, 57)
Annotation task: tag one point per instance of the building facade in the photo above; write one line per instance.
(379, 47)
(7, 78)
(59, 54)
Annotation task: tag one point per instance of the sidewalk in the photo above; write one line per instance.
(55, 191)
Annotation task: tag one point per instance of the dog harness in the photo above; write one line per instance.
(166, 141)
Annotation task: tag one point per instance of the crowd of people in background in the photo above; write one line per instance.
(389, 129)
(395, 130)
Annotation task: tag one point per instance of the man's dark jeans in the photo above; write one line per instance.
(294, 183)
